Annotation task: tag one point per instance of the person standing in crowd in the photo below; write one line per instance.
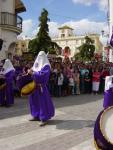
(7, 94)
(71, 85)
(65, 83)
(52, 82)
(96, 81)
(60, 79)
(90, 75)
(111, 70)
(41, 105)
(87, 82)
(77, 82)
(104, 73)
(83, 69)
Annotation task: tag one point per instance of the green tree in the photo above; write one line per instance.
(78, 56)
(42, 42)
(87, 49)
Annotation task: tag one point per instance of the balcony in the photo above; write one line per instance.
(11, 22)
(19, 6)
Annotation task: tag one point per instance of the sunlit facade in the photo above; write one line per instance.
(10, 25)
(66, 38)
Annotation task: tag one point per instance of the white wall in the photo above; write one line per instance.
(8, 6)
(8, 37)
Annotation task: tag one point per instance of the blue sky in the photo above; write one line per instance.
(82, 15)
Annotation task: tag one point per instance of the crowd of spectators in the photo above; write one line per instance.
(71, 77)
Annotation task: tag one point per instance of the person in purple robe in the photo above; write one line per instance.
(41, 105)
(6, 94)
(108, 93)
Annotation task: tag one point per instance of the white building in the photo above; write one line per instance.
(67, 38)
(10, 25)
(22, 47)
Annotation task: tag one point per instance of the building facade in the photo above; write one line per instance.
(21, 47)
(10, 25)
(66, 38)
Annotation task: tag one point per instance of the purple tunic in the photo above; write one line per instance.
(40, 101)
(2, 96)
(7, 94)
(108, 98)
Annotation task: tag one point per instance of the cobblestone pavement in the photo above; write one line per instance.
(70, 129)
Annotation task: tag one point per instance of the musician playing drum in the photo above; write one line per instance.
(41, 105)
(6, 94)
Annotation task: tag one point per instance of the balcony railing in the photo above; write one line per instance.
(12, 20)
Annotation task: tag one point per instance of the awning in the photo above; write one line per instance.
(19, 6)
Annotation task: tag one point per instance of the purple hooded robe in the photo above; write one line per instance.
(41, 104)
(6, 94)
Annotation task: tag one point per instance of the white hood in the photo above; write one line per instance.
(108, 82)
(7, 66)
(40, 61)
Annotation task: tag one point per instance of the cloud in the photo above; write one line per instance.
(85, 2)
(102, 4)
(53, 29)
(26, 28)
(81, 27)
(85, 26)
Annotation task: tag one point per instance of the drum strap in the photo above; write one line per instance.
(39, 86)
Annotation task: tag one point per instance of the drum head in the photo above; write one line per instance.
(28, 89)
(106, 124)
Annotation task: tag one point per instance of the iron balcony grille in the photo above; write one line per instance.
(10, 19)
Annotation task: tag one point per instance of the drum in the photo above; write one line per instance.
(103, 130)
(2, 83)
(25, 84)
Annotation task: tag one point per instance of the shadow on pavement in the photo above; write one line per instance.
(21, 106)
(72, 124)
(76, 100)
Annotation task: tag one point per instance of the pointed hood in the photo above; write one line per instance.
(7, 66)
(40, 61)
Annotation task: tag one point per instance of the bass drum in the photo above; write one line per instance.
(103, 130)
(26, 84)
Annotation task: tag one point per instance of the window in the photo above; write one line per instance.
(62, 35)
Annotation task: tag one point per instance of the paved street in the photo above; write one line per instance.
(70, 129)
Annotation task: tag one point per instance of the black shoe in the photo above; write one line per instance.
(34, 119)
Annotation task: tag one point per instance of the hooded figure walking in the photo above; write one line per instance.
(7, 94)
(41, 105)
